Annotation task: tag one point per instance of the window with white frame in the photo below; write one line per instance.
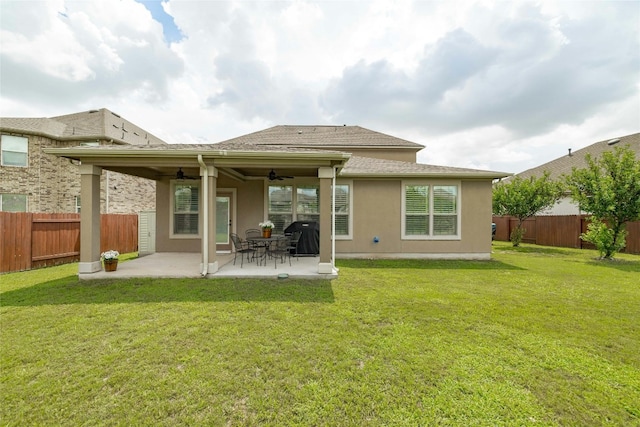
(445, 210)
(430, 211)
(308, 203)
(13, 202)
(416, 208)
(14, 150)
(301, 202)
(280, 207)
(343, 210)
(78, 204)
(185, 206)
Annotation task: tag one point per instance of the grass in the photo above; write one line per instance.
(537, 336)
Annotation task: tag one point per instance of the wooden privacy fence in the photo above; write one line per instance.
(34, 240)
(562, 231)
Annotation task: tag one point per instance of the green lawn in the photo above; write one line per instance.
(537, 336)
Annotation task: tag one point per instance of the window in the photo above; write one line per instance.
(78, 204)
(308, 203)
(280, 207)
(13, 202)
(417, 210)
(288, 203)
(343, 210)
(186, 209)
(430, 211)
(445, 210)
(14, 150)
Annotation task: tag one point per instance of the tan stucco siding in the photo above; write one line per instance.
(377, 212)
(249, 203)
(476, 216)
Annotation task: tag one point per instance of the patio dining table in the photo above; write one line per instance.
(265, 244)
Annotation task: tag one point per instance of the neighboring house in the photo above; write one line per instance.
(34, 181)
(386, 205)
(576, 159)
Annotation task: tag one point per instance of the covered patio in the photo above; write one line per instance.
(191, 230)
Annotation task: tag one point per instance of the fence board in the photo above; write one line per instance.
(560, 231)
(633, 238)
(119, 232)
(33, 240)
(55, 239)
(15, 248)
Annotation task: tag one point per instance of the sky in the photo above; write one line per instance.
(496, 85)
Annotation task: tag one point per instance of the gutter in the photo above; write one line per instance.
(162, 151)
(205, 214)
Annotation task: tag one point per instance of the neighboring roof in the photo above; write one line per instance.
(380, 168)
(565, 164)
(321, 136)
(85, 126)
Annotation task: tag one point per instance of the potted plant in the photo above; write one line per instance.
(110, 260)
(266, 226)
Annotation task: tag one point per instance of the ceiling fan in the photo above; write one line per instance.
(274, 176)
(180, 175)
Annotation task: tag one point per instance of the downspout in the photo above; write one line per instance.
(333, 219)
(106, 207)
(205, 214)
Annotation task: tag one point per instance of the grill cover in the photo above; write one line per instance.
(309, 243)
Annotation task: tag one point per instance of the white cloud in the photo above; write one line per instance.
(500, 85)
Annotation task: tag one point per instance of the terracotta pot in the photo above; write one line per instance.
(110, 264)
(266, 232)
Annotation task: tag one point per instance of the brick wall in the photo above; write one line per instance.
(52, 183)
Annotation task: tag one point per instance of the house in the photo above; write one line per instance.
(577, 159)
(32, 180)
(364, 189)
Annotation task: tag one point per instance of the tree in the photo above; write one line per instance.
(523, 198)
(608, 189)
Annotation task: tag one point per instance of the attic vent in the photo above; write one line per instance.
(299, 132)
(613, 141)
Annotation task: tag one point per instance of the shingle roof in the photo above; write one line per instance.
(41, 126)
(565, 164)
(322, 136)
(365, 166)
(83, 126)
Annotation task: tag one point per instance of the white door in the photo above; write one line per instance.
(146, 232)
(224, 215)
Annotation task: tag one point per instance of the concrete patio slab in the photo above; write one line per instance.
(188, 265)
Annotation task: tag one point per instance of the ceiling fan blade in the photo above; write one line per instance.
(274, 176)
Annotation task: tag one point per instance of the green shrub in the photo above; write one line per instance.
(606, 241)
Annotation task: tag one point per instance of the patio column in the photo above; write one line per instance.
(90, 219)
(326, 263)
(210, 199)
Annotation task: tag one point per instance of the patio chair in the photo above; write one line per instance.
(241, 247)
(281, 250)
(293, 243)
(252, 232)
